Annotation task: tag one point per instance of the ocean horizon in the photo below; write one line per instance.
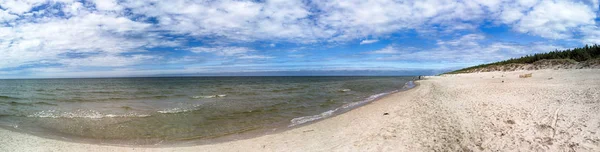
(340, 73)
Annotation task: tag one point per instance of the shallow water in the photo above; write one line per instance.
(155, 110)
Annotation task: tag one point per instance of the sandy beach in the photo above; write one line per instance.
(554, 110)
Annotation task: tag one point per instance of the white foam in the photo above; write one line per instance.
(408, 85)
(208, 97)
(199, 97)
(305, 119)
(82, 114)
(367, 100)
(180, 109)
(174, 110)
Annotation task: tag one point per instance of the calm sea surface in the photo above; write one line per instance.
(155, 110)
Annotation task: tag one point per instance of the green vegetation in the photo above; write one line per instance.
(577, 54)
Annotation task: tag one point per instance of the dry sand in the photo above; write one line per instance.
(554, 110)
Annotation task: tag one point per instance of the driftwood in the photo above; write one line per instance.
(525, 75)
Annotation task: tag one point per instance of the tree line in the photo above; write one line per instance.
(577, 54)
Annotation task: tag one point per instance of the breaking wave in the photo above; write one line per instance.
(83, 114)
(208, 97)
(180, 109)
(345, 107)
(175, 110)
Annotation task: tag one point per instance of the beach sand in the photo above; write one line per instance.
(554, 110)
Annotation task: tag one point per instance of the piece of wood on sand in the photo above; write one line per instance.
(525, 75)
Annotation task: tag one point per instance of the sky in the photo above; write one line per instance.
(122, 38)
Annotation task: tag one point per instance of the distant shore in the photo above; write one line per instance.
(553, 110)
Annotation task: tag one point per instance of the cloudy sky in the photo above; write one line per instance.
(113, 38)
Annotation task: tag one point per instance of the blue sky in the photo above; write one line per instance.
(116, 38)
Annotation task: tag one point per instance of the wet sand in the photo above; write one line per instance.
(554, 110)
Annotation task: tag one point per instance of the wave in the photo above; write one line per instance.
(208, 97)
(305, 119)
(367, 100)
(106, 92)
(83, 114)
(288, 89)
(111, 98)
(345, 90)
(180, 109)
(408, 85)
(46, 103)
(130, 98)
(30, 104)
(8, 97)
(346, 107)
(175, 110)
(13, 103)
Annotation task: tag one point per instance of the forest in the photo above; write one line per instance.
(577, 54)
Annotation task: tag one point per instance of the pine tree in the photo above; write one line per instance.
(578, 54)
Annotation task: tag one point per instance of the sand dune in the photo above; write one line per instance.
(554, 110)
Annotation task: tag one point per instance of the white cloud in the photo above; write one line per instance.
(335, 20)
(254, 57)
(591, 35)
(20, 6)
(368, 41)
(511, 14)
(391, 49)
(469, 48)
(556, 19)
(7, 17)
(222, 51)
(469, 40)
(105, 30)
(231, 51)
(233, 20)
(32, 40)
(107, 5)
(357, 18)
(106, 61)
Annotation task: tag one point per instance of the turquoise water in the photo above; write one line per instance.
(163, 110)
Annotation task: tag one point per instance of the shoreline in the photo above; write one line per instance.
(272, 129)
(554, 110)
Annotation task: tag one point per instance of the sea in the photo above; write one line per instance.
(168, 110)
